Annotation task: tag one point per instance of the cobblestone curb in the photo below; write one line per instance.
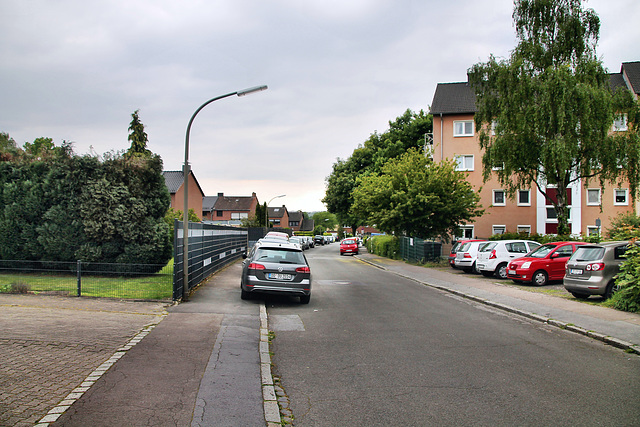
(94, 376)
(271, 409)
(623, 345)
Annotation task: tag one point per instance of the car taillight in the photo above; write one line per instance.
(303, 270)
(493, 254)
(256, 266)
(467, 255)
(596, 266)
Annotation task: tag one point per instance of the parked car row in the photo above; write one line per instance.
(585, 269)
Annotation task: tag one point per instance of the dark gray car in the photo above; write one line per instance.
(591, 269)
(276, 268)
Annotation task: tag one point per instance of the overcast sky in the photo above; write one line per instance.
(337, 71)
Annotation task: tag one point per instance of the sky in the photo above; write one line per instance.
(336, 70)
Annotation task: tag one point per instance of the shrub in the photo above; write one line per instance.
(627, 297)
(15, 288)
(386, 246)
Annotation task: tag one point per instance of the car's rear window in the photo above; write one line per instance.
(588, 253)
(348, 242)
(489, 246)
(279, 256)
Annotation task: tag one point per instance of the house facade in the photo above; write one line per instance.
(174, 181)
(278, 216)
(229, 210)
(455, 137)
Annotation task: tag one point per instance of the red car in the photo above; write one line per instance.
(349, 246)
(543, 264)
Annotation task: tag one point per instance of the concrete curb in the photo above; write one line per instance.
(94, 376)
(271, 408)
(615, 342)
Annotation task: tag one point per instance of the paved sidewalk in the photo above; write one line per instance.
(613, 327)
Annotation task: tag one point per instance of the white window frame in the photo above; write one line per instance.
(589, 203)
(528, 196)
(592, 230)
(626, 197)
(504, 198)
(463, 123)
(496, 228)
(466, 227)
(620, 123)
(462, 160)
(524, 229)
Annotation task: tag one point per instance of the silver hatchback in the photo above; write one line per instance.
(591, 270)
(276, 268)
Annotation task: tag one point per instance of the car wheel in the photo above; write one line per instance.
(501, 271)
(540, 278)
(610, 290)
(579, 295)
(245, 295)
(304, 299)
(486, 273)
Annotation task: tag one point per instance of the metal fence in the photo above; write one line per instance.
(129, 281)
(417, 250)
(211, 247)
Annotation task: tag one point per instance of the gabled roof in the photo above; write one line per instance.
(453, 98)
(631, 72)
(277, 212)
(175, 179)
(208, 202)
(307, 225)
(296, 216)
(233, 203)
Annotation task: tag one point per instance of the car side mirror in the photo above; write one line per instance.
(244, 255)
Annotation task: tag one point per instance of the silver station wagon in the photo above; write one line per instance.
(591, 270)
(273, 267)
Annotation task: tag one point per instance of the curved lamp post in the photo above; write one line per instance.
(266, 214)
(186, 170)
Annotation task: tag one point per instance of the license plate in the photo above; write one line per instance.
(279, 276)
(575, 271)
(512, 272)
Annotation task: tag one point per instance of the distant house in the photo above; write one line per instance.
(297, 222)
(455, 137)
(229, 210)
(279, 216)
(175, 181)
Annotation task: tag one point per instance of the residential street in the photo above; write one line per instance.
(373, 348)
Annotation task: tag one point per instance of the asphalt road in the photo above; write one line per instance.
(375, 349)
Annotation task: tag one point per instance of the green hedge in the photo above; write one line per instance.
(386, 246)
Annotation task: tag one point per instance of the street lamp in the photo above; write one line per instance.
(185, 171)
(266, 213)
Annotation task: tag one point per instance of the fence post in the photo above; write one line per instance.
(79, 278)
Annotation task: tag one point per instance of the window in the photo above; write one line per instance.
(219, 213)
(620, 124)
(466, 232)
(524, 229)
(620, 197)
(592, 230)
(593, 197)
(516, 247)
(464, 162)
(552, 214)
(463, 128)
(499, 229)
(498, 198)
(239, 215)
(524, 197)
(294, 223)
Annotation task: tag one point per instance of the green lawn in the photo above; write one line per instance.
(155, 286)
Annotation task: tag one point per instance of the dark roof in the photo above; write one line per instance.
(233, 203)
(616, 80)
(277, 212)
(296, 216)
(307, 225)
(175, 179)
(453, 98)
(208, 202)
(632, 71)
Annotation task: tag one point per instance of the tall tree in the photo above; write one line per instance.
(414, 196)
(545, 114)
(137, 137)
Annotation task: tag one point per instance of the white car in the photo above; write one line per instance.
(466, 255)
(494, 256)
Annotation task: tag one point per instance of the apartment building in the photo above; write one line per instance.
(455, 137)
